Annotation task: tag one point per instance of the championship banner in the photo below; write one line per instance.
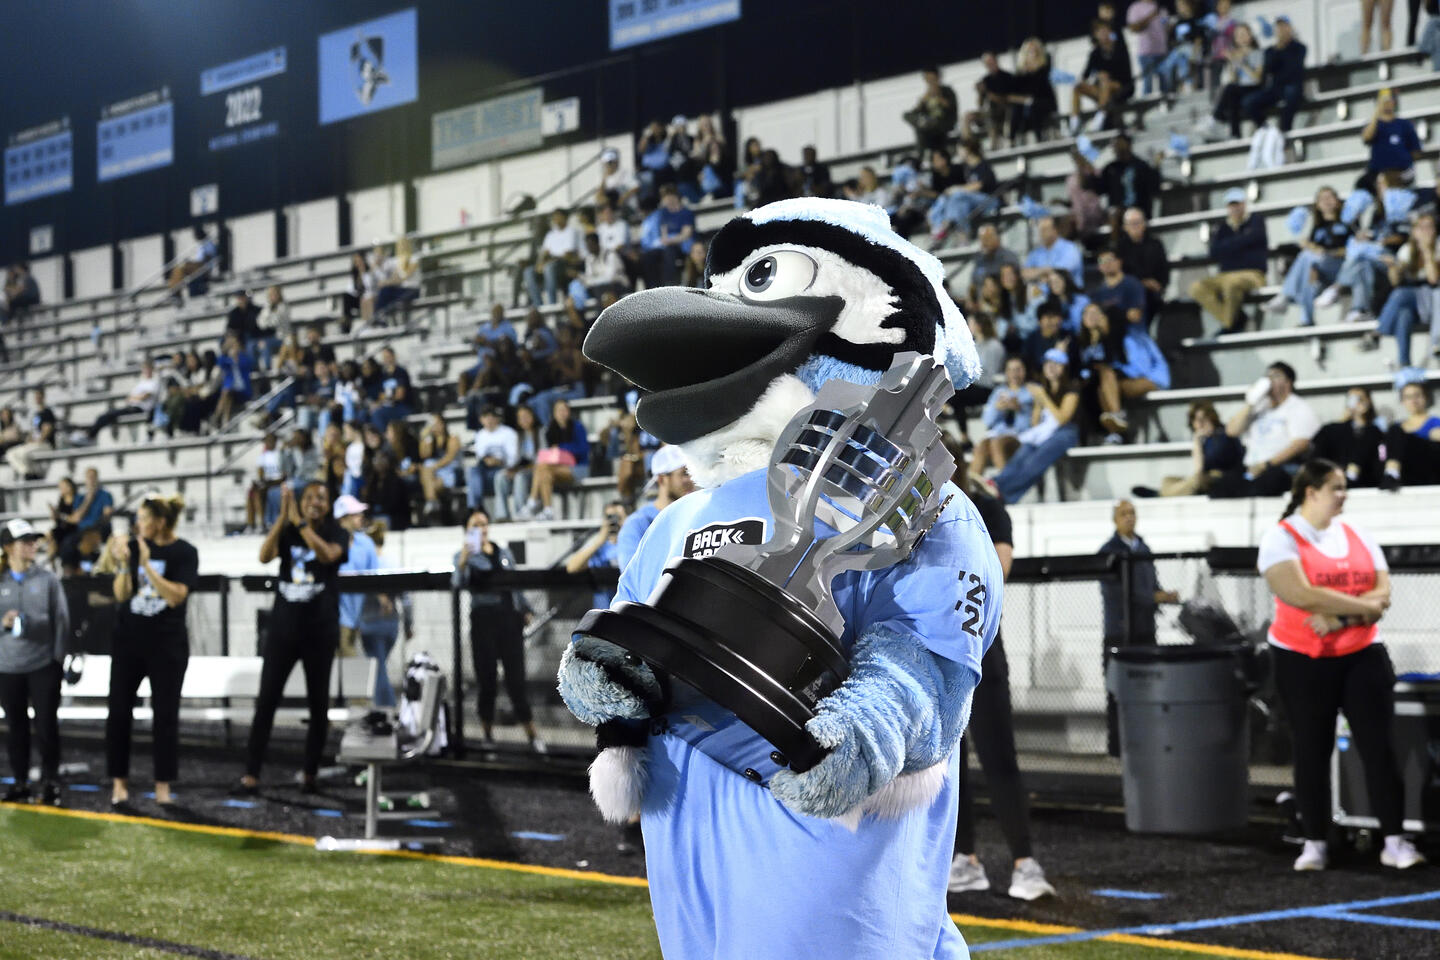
(640, 21)
(368, 67)
(491, 128)
(251, 89)
(39, 161)
(136, 135)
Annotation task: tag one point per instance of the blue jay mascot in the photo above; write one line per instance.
(747, 858)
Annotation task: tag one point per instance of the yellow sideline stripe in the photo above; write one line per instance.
(1186, 946)
(1024, 926)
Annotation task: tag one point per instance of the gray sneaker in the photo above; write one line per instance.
(1028, 881)
(966, 876)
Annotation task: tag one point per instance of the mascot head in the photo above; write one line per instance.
(797, 293)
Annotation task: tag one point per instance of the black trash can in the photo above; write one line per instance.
(1184, 736)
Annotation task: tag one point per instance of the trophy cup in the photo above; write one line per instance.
(754, 627)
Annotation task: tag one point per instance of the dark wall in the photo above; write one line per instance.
(70, 57)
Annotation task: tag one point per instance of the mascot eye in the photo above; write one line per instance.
(777, 275)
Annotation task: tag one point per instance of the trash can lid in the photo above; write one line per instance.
(1177, 653)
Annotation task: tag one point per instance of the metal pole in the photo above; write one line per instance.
(459, 661)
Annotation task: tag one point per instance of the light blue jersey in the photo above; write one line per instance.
(363, 556)
(735, 874)
(633, 530)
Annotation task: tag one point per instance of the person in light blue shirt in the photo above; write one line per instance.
(363, 557)
(1054, 252)
(600, 552)
(670, 475)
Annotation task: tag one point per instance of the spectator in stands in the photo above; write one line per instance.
(562, 462)
(1354, 441)
(934, 114)
(42, 437)
(1129, 182)
(692, 274)
(360, 557)
(11, 433)
(602, 277)
(1052, 429)
(1364, 264)
(1149, 23)
(353, 298)
(989, 258)
(513, 483)
(1016, 318)
(61, 513)
(273, 326)
(302, 462)
(1283, 83)
(566, 373)
(618, 187)
(395, 399)
(1187, 39)
(240, 322)
(1095, 354)
(1065, 291)
(262, 499)
(670, 475)
(1414, 277)
(91, 519)
(1276, 427)
(1106, 13)
(746, 190)
(991, 352)
(813, 175)
(1393, 142)
(1322, 253)
(439, 464)
(1048, 333)
(356, 458)
(1222, 40)
(970, 193)
(1083, 187)
(558, 260)
(1412, 444)
(1368, 9)
(1119, 291)
(141, 400)
(384, 489)
(1143, 257)
(992, 95)
(486, 338)
(1106, 80)
(404, 450)
(1244, 66)
(1007, 414)
(236, 388)
(496, 449)
(1212, 452)
(199, 260)
(497, 621)
(1240, 248)
(866, 188)
(22, 294)
(1054, 252)
(677, 233)
(772, 180)
(1033, 105)
(204, 380)
(1146, 596)
(601, 551)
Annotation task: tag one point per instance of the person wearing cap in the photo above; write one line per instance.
(670, 476)
(34, 637)
(1240, 248)
(304, 624)
(496, 447)
(617, 187)
(1052, 431)
(360, 558)
(154, 573)
(1283, 83)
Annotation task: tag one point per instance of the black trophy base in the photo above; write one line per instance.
(739, 640)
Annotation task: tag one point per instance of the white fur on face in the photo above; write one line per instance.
(746, 444)
(868, 299)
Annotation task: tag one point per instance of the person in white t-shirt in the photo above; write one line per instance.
(262, 500)
(618, 186)
(603, 277)
(559, 259)
(141, 399)
(497, 449)
(1276, 427)
(1332, 587)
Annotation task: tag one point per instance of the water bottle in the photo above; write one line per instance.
(17, 629)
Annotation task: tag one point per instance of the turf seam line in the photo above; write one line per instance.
(95, 933)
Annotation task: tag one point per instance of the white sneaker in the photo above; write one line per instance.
(1278, 303)
(539, 746)
(1097, 123)
(1400, 853)
(1074, 124)
(1328, 297)
(1313, 857)
(1210, 129)
(1359, 316)
(966, 876)
(1028, 881)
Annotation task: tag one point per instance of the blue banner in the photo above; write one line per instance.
(503, 125)
(240, 72)
(39, 162)
(640, 21)
(252, 88)
(368, 67)
(136, 135)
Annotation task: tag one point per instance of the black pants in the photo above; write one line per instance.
(495, 633)
(1272, 482)
(167, 673)
(1227, 108)
(1419, 456)
(1313, 691)
(308, 634)
(18, 693)
(992, 733)
(110, 416)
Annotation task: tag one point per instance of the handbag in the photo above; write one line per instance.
(555, 457)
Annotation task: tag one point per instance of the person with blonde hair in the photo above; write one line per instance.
(153, 574)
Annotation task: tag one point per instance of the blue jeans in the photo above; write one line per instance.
(554, 272)
(386, 412)
(377, 638)
(1299, 289)
(479, 484)
(1149, 66)
(263, 348)
(1359, 276)
(1029, 463)
(511, 493)
(1289, 97)
(387, 297)
(1399, 318)
(958, 209)
(541, 402)
(1173, 70)
(272, 505)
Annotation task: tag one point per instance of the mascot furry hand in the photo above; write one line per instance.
(747, 858)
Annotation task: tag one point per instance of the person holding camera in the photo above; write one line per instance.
(304, 623)
(602, 550)
(935, 113)
(154, 573)
(497, 622)
(36, 632)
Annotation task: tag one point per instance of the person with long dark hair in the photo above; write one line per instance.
(35, 621)
(497, 623)
(1332, 587)
(154, 573)
(1355, 442)
(304, 623)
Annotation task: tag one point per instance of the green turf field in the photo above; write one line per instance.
(267, 898)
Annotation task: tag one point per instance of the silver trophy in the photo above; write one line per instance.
(754, 627)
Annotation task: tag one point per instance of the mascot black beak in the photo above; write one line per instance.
(702, 357)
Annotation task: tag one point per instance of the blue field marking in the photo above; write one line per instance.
(432, 824)
(1381, 919)
(1128, 894)
(1320, 911)
(242, 804)
(533, 835)
(83, 788)
(332, 814)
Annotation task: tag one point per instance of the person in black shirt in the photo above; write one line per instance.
(1107, 79)
(1143, 257)
(241, 320)
(154, 574)
(1322, 254)
(304, 622)
(1129, 182)
(814, 176)
(1354, 442)
(934, 115)
(1284, 78)
(993, 92)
